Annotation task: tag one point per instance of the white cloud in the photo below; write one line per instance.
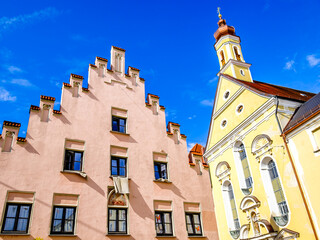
(7, 23)
(5, 96)
(21, 82)
(190, 146)
(213, 80)
(207, 102)
(290, 65)
(192, 117)
(14, 69)
(313, 60)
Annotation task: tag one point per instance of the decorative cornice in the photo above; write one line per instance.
(235, 62)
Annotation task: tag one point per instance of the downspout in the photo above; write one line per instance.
(295, 173)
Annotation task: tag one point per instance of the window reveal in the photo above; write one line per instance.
(63, 220)
(119, 124)
(73, 160)
(160, 170)
(16, 218)
(163, 224)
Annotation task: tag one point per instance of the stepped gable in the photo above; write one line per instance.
(305, 112)
(274, 90)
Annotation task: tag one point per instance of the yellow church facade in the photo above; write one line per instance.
(254, 184)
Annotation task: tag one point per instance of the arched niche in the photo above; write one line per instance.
(249, 202)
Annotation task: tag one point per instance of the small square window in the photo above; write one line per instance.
(117, 221)
(63, 219)
(160, 170)
(193, 224)
(16, 218)
(163, 222)
(73, 160)
(118, 166)
(119, 124)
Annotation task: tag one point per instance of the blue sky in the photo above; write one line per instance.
(42, 42)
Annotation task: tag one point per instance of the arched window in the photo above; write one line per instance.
(223, 61)
(244, 174)
(231, 209)
(237, 54)
(274, 190)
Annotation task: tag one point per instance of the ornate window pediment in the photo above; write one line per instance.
(260, 143)
(223, 171)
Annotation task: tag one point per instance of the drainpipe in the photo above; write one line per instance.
(296, 174)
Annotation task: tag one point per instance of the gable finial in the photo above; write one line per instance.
(219, 14)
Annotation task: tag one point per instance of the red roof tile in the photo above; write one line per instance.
(57, 112)
(121, 49)
(85, 89)
(91, 65)
(33, 107)
(152, 95)
(11, 124)
(270, 89)
(21, 139)
(134, 68)
(102, 59)
(76, 76)
(162, 107)
(142, 79)
(52, 99)
(198, 150)
(66, 84)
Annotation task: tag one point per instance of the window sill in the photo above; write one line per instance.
(82, 174)
(121, 133)
(15, 234)
(162, 181)
(165, 236)
(197, 236)
(111, 177)
(120, 235)
(63, 235)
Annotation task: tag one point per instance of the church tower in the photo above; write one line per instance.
(229, 52)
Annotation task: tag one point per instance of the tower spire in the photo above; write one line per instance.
(219, 13)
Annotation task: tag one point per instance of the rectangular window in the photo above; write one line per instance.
(119, 124)
(160, 170)
(63, 220)
(163, 223)
(193, 224)
(118, 166)
(16, 219)
(73, 160)
(117, 221)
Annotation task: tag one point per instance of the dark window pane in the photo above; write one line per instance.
(78, 156)
(122, 129)
(22, 225)
(12, 210)
(9, 224)
(57, 225)
(114, 171)
(58, 213)
(77, 166)
(24, 212)
(69, 213)
(163, 223)
(122, 172)
(122, 162)
(114, 162)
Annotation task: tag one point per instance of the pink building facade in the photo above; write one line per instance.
(104, 166)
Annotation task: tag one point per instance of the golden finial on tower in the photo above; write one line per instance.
(218, 11)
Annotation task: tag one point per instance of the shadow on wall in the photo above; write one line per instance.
(89, 181)
(142, 208)
(171, 187)
(62, 117)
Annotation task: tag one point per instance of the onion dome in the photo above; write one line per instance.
(223, 29)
